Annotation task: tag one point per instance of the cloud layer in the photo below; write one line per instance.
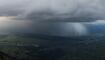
(49, 9)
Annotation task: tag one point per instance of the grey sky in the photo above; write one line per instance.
(56, 8)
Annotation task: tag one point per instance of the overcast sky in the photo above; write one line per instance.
(51, 10)
(56, 8)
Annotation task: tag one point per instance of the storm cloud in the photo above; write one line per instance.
(54, 9)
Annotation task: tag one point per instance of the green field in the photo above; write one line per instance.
(28, 47)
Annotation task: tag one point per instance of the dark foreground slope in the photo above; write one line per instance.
(43, 47)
